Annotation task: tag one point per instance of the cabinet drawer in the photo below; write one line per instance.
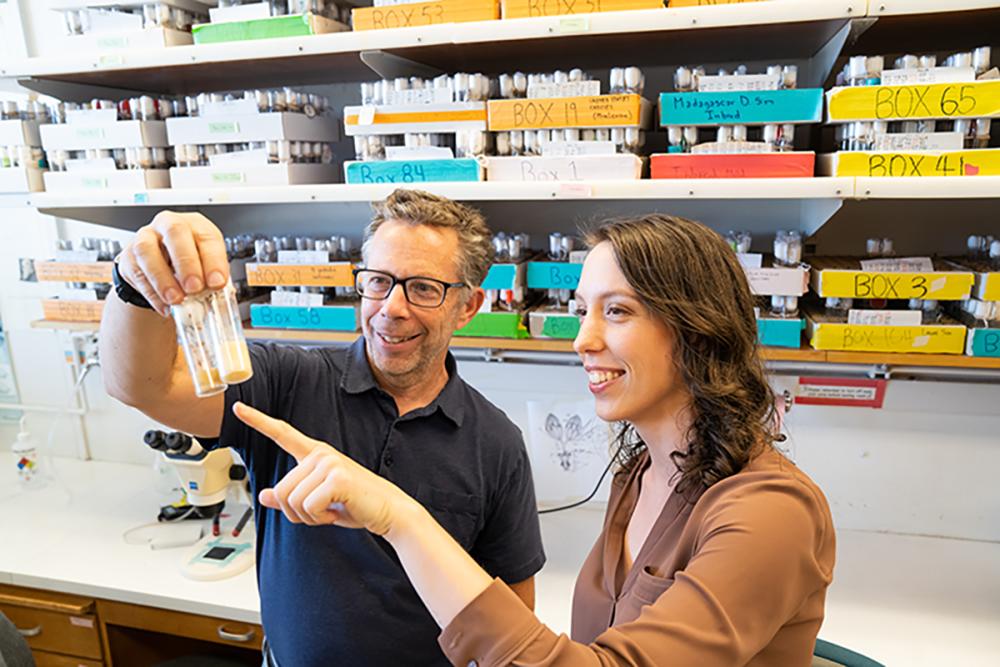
(46, 630)
(45, 659)
(205, 628)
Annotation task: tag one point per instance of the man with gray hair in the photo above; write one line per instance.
(392, 401)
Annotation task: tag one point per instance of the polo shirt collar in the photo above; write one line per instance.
(358, 378)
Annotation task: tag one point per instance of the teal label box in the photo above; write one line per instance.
(780, 333)
(752, 107)
(501, 276)
(412, 171)
(983, 343)
(319, 318)
(553, 275)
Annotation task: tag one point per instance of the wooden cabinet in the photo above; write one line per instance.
(75, 631)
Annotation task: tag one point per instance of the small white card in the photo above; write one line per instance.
(101, 164)
(227, 108)
(303, 257)
(738, 82)
(256, 157)
(296, 299)
(568, 89)
(891, 318)
(904, 77)
(91, 116)
(571, 148)
(258, 10)
(418, 153)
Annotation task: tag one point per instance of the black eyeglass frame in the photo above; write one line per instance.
(402, 282)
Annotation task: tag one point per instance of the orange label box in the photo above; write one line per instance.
(425, 13)
(315, 275)
(554, 112)
(737, 165)
(65, 310)
(74, 272)
(518, 9)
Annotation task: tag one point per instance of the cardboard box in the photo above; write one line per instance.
(253, 175)
(751, 107)
(620, 167)
(333, 317)
(296, 25)
(424, 13)
(737, 165)
(495, 325)
(518, 9)
(828, 333)
(780, 332)
(118, 134)
(243, 128)
(404, 118)
(873, 164)
(844, 277)
(19, 133)
(536, 113)
(18, 180)
(121, 179)
(150, 38)
(413, 171)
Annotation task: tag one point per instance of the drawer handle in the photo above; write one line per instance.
(231, 636)
(30, 632)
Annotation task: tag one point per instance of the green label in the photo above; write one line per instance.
(574, 24)
(561, 326)
(223, 127)
(112, 43)
(97, 183)
(90, 133)
(110, 61)
(227, 177)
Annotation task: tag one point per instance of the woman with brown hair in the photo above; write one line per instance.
(716, 550)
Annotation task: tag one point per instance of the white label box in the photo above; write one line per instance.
(237, 129)
(123, 179)
(151, 38)
(19, 180)
(253, 176)
(579, 168)
(120, 134)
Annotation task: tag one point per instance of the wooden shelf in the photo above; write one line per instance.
(780, 354)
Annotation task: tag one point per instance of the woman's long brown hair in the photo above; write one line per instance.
(689, 278)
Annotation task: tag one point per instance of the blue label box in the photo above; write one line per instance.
(757, 107)
(504, 276)
(412, 171)
(317, 318)
(983, 343)
(780, 332)
(553, 275)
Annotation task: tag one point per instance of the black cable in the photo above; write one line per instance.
(592, 493)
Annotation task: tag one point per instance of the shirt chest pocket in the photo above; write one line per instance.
(458, 513)
(645, 590)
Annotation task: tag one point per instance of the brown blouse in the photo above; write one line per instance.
(739, 577)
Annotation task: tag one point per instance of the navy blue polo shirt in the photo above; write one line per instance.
(337, 596)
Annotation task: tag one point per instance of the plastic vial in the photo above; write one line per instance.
(192, 317)
(234, 356)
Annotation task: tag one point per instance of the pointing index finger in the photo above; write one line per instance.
(286, 437)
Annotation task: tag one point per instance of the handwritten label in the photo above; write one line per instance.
(59, 310)
(226, 177)
(895, 318)
(556, 112)
(865, 285)
(918, 75)
(413, 171)
(94, 183)
(112, 43)
(576, 24)
(88, 272)
(424, 13)
(932, 339)
(553, 275)
(110, 61)
(90, 132)
(738, 82)
(776, 280)
(303, 257)
(984, 342)
(980, 162)
(581, 168)
(542, 89)
(335, 274)
(296, 299)
(223, 127)
(707, 3)
(515, 9)
(560, 326)
(898, 265)
(323, 318)
(978, 99)
(747, 165)
(803, 105)
(903, 142)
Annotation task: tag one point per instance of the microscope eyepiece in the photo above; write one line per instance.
(154, 439)
(177, 443)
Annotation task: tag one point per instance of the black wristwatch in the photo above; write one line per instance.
(126, 292)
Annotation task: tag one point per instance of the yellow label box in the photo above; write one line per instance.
(556, 112)
(314, 275)
(976, 162)
(519, 9)
(65, 310)
(706, 3)
(978, 99)
(78, 272)
(424, 13)
(933, 339)
(990, 286)
(947, 286)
